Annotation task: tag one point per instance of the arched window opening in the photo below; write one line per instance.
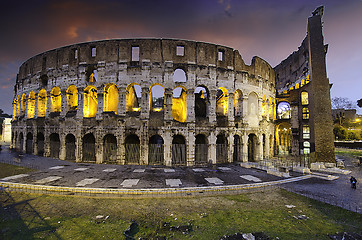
(133, 97)
(179, 104)
(70, 147)
(253, 106)
(89, 148)
(90, 102)
(305, 113)
(56, 100)
(40, 142)
(23, 104)
(132, 147)
(110, 149)
(221, 149)
(306, 148)
(157, 96)
(111, 98)
(42, 103)
(179, 75)
(91, 74)
(284, 110)
(54, 145)
(252, 151)
(72, 98)
(264, 107)
(179, 150)
(155, 150)
(237, 149)
(31, 105)
(304, 98)
(222, 102)
(283, 138)
(238, 103)
(201, 150)
(297, 86)
(15, 103)
(29, 143)
(201, 100)
(306, 132)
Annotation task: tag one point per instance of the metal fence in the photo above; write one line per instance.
(222, 153)
(155, 154)
(201, 151)
(178, 154)
(132, 153)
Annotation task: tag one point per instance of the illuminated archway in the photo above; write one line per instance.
(42, 103)
(201, 101)
(90, 102)
(72, 98)
(18, 106)
(221, 149)
(283, 137)
(31, 105)
(179, 104)
(15, 103)
(23, 104)
(238, 103)
(155, 150)
(222, 102)
(56, 100)
(133, 95)
(110, 98)
(264, 107)
(304, 98)
(156, 98)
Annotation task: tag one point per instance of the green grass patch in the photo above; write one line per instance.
(10, 170)
(349, 152)
(72, 217)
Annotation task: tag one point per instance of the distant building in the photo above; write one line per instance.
(6, 130)
(346, 114)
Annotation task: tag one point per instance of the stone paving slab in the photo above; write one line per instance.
(86, 181)
(56, 167)
(173, 182)
(14, 177)
(224, 168)
(48, 179)
(215, 181)
(251, 178)
(198, 170)
(129, 182)
(139, 170)
(109, 169)
(169, 170)
(81, 169)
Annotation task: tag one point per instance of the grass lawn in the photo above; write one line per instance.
(71, 217)
(349, 152)
(10, 170)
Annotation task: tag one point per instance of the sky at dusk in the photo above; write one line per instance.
(270, 29)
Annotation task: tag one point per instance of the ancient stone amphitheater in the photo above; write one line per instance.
(145, 101)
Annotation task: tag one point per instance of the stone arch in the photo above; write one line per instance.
(42, 103)
(56, 100)
(201, 150)
(72, 98)
(201, 101)
(90, 102)
(179, 154)
(179, 104)
(29, 143)
(179, 75)
(70, 147)
(18, 103)
(54, 141)
(283, 137)
(133, 96)
(111, 94)
(132, 149)
(15, 103)
(23, 104)
(40, 143)
(156, 150)
(109, 149)
(221, 148)
(238, 103)
(237, 156)
(89, 148)
(31, 105)
(222, 101)
(156, 98)
(252, 147)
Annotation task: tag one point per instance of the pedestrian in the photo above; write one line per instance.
(353, 181)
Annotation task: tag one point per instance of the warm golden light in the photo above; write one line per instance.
(179, 105)
(42, 103)
(56, 100)
(18, 106)
(23, 104)
(156, 98)
(31, 105)
(136, 109)
(157, 109)
(222, 102)
(132, 100)
(264, 108)
(72, 98)
(90, 102)
(271, 108)
(238, 104)
(304, 98)
(110, 98)
(14, 108)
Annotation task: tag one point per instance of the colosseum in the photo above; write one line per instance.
(165, 102)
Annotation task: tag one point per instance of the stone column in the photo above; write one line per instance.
(36, 105)
(49, 104)
(100, 97)
(212, 147)
(190, 147)
(62, 150)
(259, 148)
(99, 147)
(144, 144)
(80, 103)
(168, 104)
(122, 101)
(231, 148)
(212, 108)
(63, 108)
(244, 140)
(231, 107)
(35, 143)
(79, 147)
(145, 111)
(260, 109)
(190, 105)
(167, 148)
(267, 147)
(245, 109)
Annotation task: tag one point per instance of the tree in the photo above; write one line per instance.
(359, 103)
(340, 102)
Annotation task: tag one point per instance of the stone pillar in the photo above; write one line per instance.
(212, 148)
(212, 108)
(49, 104)
(99, 147)
(245, 109)
(80, 103)
(36, 106)
(79, 147)
(231, 148)
(145, 111)
(231, 107)
(62, 150)
(100, 97)
(259, 148)
(121, 150)
(260, 109)
(63, 108)
(35, 143)
(122, 101)
(168, 104)
(190, 147)
(144, 144)
(190, 105)
(244, 140)
(167, 148)
(267, 147)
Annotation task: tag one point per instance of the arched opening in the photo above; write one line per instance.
(253, 106)
(54, 145)
(304, 98)
(111, 98)
(23, 104)
(157, 96)
(201, 100)
(15, 103)
(237, 149)
(271, 109)
(133, 96)
(29, 143)
(155, 150)
(42, 103)
(221, 149)
(56, 100)
(18, 103)
(179, 150)
(90, 102)
(91, 74)
(40, 142)
(252, 142)
(238, 103)
(201, 150)
(110, 149)
(89, 148)
(21, 142)
(222, 102)
(264, 107)
(179, 104)
(283, 137)
(31, 105)
(72, 98)
(283, 110)
(132, 147)
(179, 75)
(70, 147)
